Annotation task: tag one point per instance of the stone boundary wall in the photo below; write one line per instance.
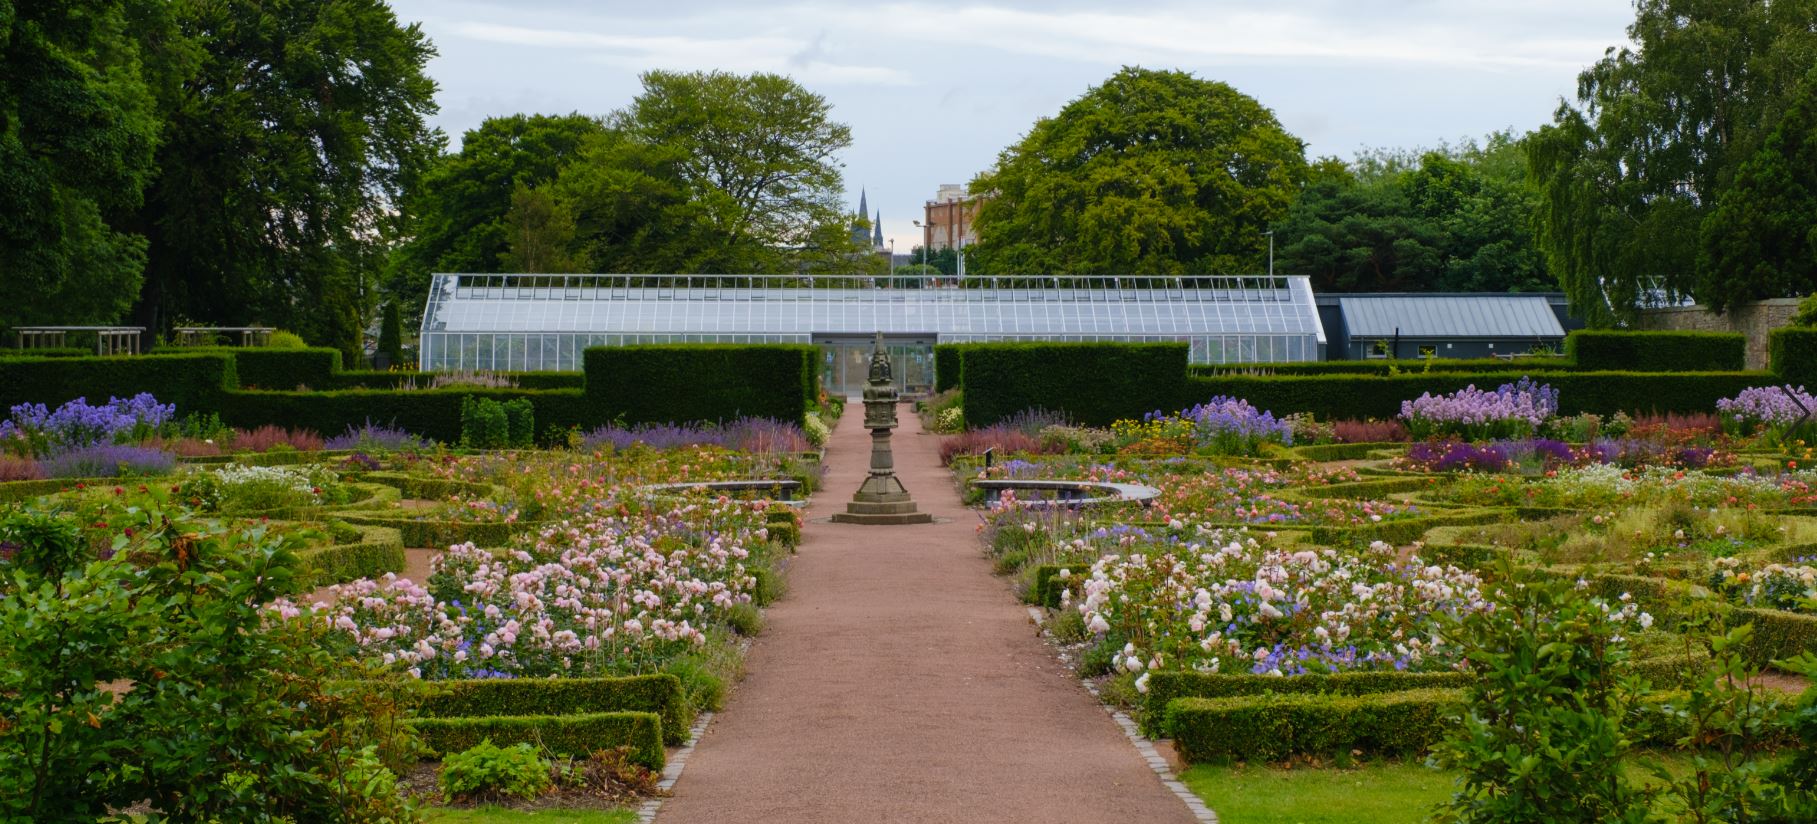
(1755, 320)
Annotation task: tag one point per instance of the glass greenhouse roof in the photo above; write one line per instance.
(1225, 318)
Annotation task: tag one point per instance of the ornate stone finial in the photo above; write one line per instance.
(880, 363)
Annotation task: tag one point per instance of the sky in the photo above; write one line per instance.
(934, 91)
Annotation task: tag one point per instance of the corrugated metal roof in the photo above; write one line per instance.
(1441, 316)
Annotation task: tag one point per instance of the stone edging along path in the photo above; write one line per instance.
(898, 680)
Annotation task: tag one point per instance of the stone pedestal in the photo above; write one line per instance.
(881, 500)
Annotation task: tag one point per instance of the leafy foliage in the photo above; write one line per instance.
(1149, 173)
(490, 771)
(76, 135)
(1453, 219)
(1662, 130)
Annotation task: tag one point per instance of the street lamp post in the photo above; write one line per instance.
(927, 239)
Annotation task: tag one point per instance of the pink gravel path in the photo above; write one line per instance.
(900, 681)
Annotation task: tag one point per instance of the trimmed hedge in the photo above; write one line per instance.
(392, 380)
(1273, 727)
(949, 363)
(378, 551)
(441, 534)
(1092, 383)
(1166, 687)
(1793, 353)
(576, 735)
(262, 368)
(432, 413)
(1368, 396)
(682, 383)
(1777, 633)
(1617, 350)
(194, 382)
(660, 695)
(1382, 367)
(416, 486)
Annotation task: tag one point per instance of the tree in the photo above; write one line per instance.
(287, 145)
(1628, 179)
(1449, 219)
(456, 217)
(755, 154)
(539, 232)
(1761, 239)
(391, 336)
(1150, 173)
(77, 130)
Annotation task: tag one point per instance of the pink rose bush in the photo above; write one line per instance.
(601, 594)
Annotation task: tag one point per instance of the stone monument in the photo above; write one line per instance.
(882, 499)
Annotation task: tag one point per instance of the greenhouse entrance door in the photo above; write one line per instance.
(845, 362)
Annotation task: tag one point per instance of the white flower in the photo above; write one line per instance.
(1098, 625)
(1142, 683)
(1646, 621)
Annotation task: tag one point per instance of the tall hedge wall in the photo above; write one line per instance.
(1794, 355)
(1369, 396)
(1381, 367)
(262, 368)
(191, 381)
(1614, 350)
(675, 383)
(949, 359)
(1093, 383)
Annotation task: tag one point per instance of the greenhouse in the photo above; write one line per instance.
(543, 322)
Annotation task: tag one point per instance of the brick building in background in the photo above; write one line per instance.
(949, 218)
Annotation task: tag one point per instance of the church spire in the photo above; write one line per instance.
(877, 230)
(862, 208)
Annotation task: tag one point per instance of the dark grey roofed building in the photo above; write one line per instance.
(1445, 325)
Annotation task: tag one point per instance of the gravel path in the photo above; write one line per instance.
(900, 681)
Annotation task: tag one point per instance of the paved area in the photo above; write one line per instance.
(900, 681)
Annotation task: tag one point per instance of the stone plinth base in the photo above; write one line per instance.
(883, 513)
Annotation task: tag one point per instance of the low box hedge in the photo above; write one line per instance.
(1661, 351)
(563, 735)
(1777, 634)
(660, 695)
(1397, 530)
(431, 413)
(379, 550)
(1166, 687)
(423, 488)
(1272, 727)
(434, 534)
(1793, 355)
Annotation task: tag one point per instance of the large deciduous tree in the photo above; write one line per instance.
(756, 155)
(1761, 239)
(1150, 173)
(1660, 133)
(456, 216)
(284, 153)
(77, 130)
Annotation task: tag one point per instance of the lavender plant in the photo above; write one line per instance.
(108, 461)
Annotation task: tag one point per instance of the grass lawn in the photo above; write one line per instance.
(498, 815)
(1385, 793)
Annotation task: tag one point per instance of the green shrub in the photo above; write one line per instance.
(1625, 351)
(487, 771)
(1094, 384)
(684, 383)
(577, 734)
(659, 694)
(949, 361)
(1166, 687)
(520, 420)
(484, 424)
(1273, 726)
(1793, 353)
(285, 340)
(377, 551)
